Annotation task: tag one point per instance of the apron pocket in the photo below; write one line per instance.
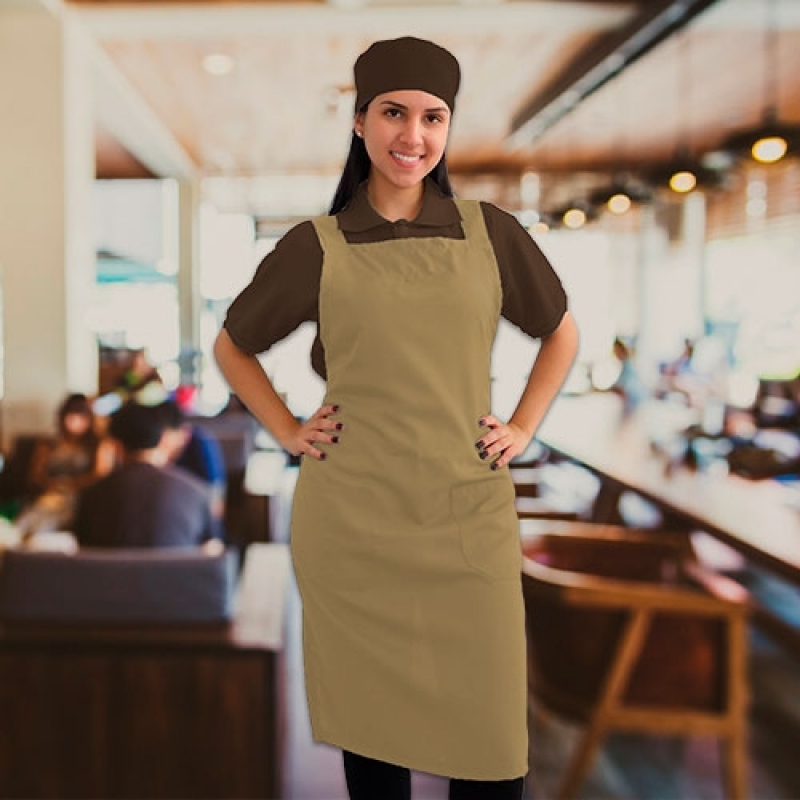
(488, 527)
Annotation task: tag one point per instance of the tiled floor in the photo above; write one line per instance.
(628, 766)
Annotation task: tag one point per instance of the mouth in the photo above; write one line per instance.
(405, 160)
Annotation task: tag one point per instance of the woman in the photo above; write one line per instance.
(404, 537)
(61, 467)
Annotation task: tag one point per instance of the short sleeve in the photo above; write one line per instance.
(283, 294)
(533, 297)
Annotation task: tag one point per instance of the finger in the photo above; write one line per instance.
(503, 458)
(310, 450)
(326, 424)
(496, 441)
(327, 410)
(489, 421)
(487, 438)
(321, 436)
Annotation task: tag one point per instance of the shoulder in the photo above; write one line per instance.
(184, 482)
(301, 238)
(500, 222)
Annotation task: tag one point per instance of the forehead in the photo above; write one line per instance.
(414, 99)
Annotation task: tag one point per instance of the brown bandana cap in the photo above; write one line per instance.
(406, 63)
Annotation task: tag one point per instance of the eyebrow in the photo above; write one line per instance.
(405, 108)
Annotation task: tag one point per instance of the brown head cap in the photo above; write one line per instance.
(406, 63)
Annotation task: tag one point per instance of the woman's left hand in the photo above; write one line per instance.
(507, 439)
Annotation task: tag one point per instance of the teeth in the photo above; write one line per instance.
(407, 159)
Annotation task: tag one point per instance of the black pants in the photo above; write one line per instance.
(369, 779)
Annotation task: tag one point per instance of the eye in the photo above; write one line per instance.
(433, 118)
(392, 112)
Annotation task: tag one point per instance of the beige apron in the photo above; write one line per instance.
(405, 543)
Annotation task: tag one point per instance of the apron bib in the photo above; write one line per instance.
(405, 543)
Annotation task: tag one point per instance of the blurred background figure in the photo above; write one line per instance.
(141, 380)
(61, 467)
(196, 450)
(618, 373)
(145, 502)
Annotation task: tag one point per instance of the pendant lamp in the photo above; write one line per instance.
(770, 140)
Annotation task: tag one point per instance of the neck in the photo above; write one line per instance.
(393, 203)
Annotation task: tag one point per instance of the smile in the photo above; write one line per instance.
(404, 159)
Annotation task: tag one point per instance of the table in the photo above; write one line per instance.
(630, 451)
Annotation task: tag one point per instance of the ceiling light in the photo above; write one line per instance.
(618, 203)
(574, 218)
(683, 181)
(769, 149)
(769, 141)
(219, 64)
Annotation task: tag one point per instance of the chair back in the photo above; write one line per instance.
(173, 585)
(580, 591)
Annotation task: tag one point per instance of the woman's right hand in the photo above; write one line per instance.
(315, 429)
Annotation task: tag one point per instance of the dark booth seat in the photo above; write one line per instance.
(125, 585)
(184, 705)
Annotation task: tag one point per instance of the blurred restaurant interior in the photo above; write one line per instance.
(153, 152)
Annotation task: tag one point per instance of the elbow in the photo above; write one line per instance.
(222, 349)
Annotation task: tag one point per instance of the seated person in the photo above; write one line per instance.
(60, 467)
(145, 502)
(191, 448)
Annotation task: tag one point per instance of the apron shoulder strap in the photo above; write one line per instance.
(472, 217)
(328, 232)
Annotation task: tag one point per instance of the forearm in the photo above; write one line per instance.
(553, 363)
(248, 380)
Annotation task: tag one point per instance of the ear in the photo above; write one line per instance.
(358, 125)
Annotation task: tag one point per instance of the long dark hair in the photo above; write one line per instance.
(77, 404)
(356, 170)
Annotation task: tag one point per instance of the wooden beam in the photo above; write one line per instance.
(601, 62)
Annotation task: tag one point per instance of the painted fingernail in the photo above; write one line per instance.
(339, 426)
(335, 439)
(323, 456)
(483, 454)
(495, 466)
(479, 445)
(335, 408)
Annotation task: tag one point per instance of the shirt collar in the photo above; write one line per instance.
(437, 211)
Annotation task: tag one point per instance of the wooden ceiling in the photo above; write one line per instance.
(287, 105)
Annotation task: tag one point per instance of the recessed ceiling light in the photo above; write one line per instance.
(575, 218)
(219, 64)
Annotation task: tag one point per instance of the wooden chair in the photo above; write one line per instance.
(627, 632)
(530, 502)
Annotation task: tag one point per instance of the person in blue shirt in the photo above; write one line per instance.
(195, 450)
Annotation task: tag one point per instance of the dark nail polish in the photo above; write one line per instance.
(339, 426)
(335, 439)
(323, 456)
(479, 445)
(335, 409)
(494, 465)
(483, 454)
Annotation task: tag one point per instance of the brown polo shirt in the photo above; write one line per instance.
(284, 291)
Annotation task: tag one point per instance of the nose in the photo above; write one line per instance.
(412, 131)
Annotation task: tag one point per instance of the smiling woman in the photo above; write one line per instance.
(403, 513)
(405, 133)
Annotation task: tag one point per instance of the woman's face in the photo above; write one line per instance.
(76, 423)
(405, 133)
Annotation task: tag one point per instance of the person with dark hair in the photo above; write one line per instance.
(144, 502)
(404, 535)
(190, 447)
(60, 467)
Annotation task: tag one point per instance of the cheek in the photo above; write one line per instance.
(437, 142)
